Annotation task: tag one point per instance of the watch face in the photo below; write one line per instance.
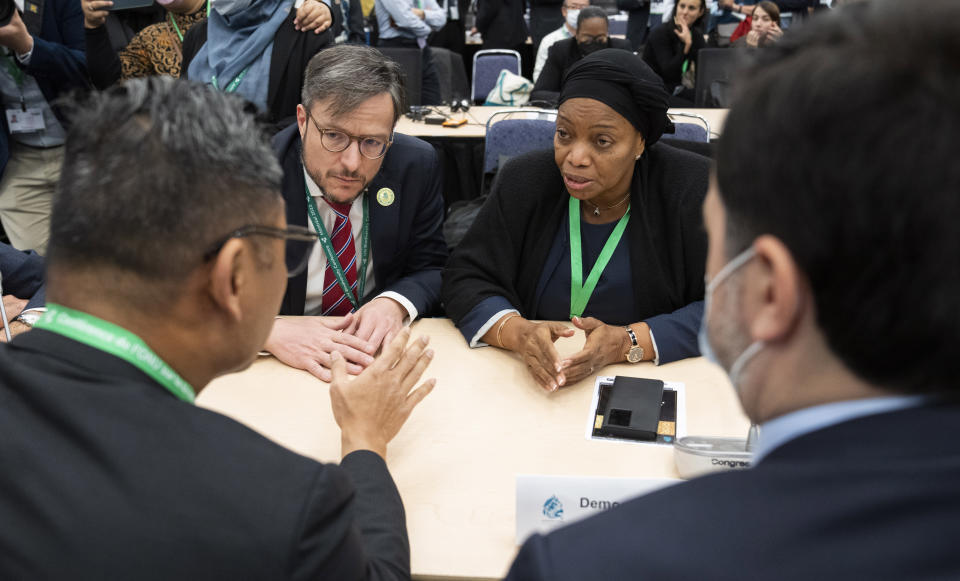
(635, 355)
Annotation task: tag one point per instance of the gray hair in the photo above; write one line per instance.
(155, 171)
(345, 76)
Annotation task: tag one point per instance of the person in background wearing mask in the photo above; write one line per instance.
(158, 49)
(592, 35)
(571, 12)
(36, 68)
(833, 303)
(259, 50)
(672, 49)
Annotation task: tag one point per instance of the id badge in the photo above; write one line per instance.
(29, 121)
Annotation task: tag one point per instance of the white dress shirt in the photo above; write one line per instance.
(317, 264)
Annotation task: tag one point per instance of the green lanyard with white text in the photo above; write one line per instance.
(116, 341)
(232, 87)
(177, 28)
(579, 292)
(332, 259)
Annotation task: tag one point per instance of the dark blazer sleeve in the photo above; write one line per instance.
(354, 526)
(102, 60)
(663, 56)
(532, 562)
(23, 275)
(419, 277)
(547, 87)
(62, 63)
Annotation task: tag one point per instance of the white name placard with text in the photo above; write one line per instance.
(547, 502)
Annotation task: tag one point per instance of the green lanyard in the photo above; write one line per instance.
(175, 27)
(15, 71)
(332, 259)
(580, 293)
(116, 341)
(232, 87)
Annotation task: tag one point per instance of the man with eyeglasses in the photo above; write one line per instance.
(571, 11)
(162, 275)
(374, 199)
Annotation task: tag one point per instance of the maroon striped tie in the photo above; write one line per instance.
(334, 302)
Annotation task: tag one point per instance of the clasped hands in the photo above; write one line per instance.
(534, 342)
(308, 342)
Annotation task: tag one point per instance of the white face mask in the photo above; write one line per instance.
(572, 16)
(703, 338)
(228, 7)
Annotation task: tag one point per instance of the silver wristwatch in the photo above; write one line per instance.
(635, 354)
(30, 317)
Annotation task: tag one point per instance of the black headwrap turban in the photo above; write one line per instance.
(622, 81)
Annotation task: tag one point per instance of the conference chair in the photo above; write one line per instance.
(452, 73)
(487, 65)
(715, 69)
(510, 133)
(618, 26)
(409, 61)
(698, 130)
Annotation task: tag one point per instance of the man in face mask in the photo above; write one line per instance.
(833, 303)
(571, 12)
(591, 34)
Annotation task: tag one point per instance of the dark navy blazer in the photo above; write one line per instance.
(870, 498)
(57, 62)
(406, 238)
(23, 275)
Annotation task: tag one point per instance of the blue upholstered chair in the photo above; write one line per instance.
(510, 133)
(487, 65)
(697, 130)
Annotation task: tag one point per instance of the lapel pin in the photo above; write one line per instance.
(385, 196)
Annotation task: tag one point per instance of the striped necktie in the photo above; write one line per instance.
(334, 302)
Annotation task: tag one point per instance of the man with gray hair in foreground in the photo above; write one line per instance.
(166, 269)
(374, 199)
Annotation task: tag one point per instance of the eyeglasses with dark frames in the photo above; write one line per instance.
(335, 141)
(299, 244)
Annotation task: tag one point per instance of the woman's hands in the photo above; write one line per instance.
(313, 16)
(683, 33)
(534, 343)
(605, 344)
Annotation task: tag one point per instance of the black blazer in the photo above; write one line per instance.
(501, 23)
(664, 53)
(872, 498)
(560, 57)
(406, 237)
(505, 250)
(292, 50)
(23, 275)
(106, 475)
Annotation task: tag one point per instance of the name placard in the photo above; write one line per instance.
(548, 502)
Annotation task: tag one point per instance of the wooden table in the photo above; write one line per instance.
(477, 119)
(456, 459)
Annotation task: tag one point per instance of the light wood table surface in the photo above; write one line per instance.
(456, 459)
(477, 119)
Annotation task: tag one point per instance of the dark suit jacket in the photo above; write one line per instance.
(292, 50)
(511, 243)
(406, 238)
(664, 53)
(501, 23)
(106, 475)
(560, 57)
(872, 498)
(23, 275)
(57, 61)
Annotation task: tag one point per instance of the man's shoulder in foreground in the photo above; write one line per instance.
(163, 488)
(849, 501)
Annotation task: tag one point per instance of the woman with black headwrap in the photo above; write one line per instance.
(605, 230)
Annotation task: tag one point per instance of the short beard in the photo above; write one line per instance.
(320, 183)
